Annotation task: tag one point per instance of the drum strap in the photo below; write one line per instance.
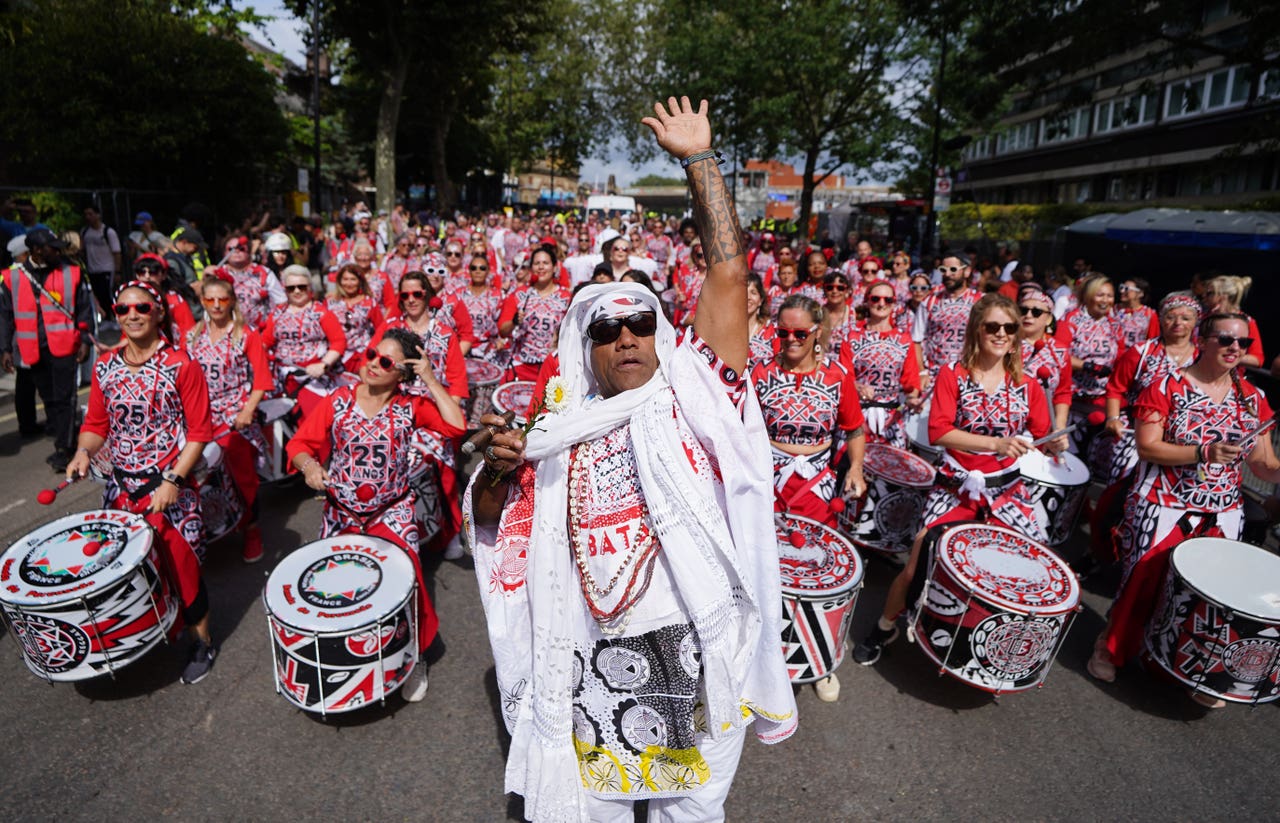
(366, 519)
(153, 481)
(879, 404)
(993, 481)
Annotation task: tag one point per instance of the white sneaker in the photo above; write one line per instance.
(828, 689)
(415, 687)
(454, 550)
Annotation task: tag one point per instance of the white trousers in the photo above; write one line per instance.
(706, 805)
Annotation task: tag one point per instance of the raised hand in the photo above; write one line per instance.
(679, 129)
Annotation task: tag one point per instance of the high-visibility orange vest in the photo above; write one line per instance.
(60, 330)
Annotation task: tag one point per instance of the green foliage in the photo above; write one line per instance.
(55, 210)
(657, 180)
(126, 93)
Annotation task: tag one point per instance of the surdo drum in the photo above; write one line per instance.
(1057, 489)
(482, 377)
(1216, 625)
(917, 427)
(996, 606)
(221, 507)
(343, 619)
(821, 578)
(84, 595)
(898, 484)
(514, 396)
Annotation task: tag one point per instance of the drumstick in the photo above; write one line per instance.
(481, 438)
(47, 496)
(1054, 435)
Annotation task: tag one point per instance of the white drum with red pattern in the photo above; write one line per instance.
(84, 596)
(821, 578)
(1057, 487)
(996, 607)
(888, 517)
(482, 377)
(514, 396)
(917, 426)
(1216, 626)
(343, 620)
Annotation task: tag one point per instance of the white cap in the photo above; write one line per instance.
(17, 246)
(278, 241)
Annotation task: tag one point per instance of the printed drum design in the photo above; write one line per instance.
(996, 606)
(1057, 489)
(482, 377)
(821, 579)
(1216, 626)
(917, 426)
(898, 484)
(514, 396)
(84, 596)
(343, 620)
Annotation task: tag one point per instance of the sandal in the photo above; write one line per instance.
(1207, 700)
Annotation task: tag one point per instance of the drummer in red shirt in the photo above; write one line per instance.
(355, 447)
(304, 339)
(886, 365)
(149, 401)
(985, 413)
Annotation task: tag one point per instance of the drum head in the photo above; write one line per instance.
(76, 555)
(898, 466)
(482, 372)
(1238, 576)
(339, 583)
(825, 563)
(275, 407)
(1067, 470)
(1008, 569)
(514, 396)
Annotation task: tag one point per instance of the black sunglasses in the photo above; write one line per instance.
(641, 324)
(121, 309)
(993, 328)
(148, 269)
(1033, 312)
(801, 335)
(479, 268)
(298, 287)
(384, 362)
(1225, 341)
(919, 288)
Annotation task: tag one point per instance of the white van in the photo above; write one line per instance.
(610, 205)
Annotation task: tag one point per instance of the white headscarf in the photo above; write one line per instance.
(723, 558)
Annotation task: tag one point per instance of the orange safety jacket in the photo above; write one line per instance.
(61, 332)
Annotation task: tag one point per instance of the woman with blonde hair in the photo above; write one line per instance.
(984, 414)
(1223, 295)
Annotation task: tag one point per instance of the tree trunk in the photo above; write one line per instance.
(384, 146)
(806, 192)
(446, 193)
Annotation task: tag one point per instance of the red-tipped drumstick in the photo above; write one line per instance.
(47, 496)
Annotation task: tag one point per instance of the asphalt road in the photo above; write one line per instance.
(902, 743)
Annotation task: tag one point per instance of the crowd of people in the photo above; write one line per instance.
(684, 345)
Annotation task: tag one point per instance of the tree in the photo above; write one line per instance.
(182, 107)
(821, 80)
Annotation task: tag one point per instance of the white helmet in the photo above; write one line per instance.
(278, 241)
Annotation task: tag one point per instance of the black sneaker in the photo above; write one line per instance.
(200, 664)
(868, 651)
(58, 461)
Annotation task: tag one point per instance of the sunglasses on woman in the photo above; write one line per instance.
(992, 328)
(1034, 312)
(479, 268)
(919, 288)
(121, 309)
(878, 300)
(147, 269)
(609, 329)
(215, 301)
(298, 287)
(801, 335)
(870, 271)
(385, 363)
(416, 294)
(1225, 340)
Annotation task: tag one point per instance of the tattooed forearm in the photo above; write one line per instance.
(714, 213)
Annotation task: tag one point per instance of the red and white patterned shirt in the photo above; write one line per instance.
(233, 370)
(807, 409)
(296, 339)
(1099, 342)
(1139, 325)
(885, 361)
(1049, 362)
(960, 402)
(945, 318)
(253, 292)
(540, 317)
(360, 320)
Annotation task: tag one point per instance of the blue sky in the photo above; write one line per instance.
(283, 34)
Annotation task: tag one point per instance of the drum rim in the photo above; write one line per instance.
(49, 597)
(497, 390)
(1068, 604)
(266, 588)
(855, 581)
(1173, 566)
(1088, 476)
(922, 485)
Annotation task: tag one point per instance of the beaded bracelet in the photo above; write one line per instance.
(702, 155)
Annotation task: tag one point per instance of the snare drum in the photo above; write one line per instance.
(342, 614)
(917, 426)
(221, 507)
(996, 607)
(1216, 626)
(482, 376)
(1057, 489)
(84, 595)
(898, 484)
(820, 584)
(514, 396)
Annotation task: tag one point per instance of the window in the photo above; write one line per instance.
(1222, 89)
(1269, 84)
(1059, 128)
(1126, 112)
(977, 150)
(1017, 138)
